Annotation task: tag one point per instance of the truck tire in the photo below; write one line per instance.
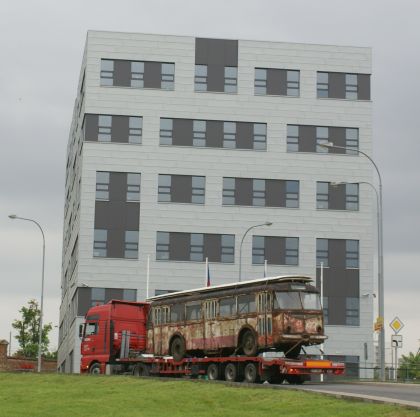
(295, 379)
(141, 369)
(231, 373)
(251, 373)
(249, 343)
(213, 372)
(177, 348)
(95, 369)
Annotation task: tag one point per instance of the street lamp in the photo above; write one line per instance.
(13, 217)
(330, 145)
(242, 241)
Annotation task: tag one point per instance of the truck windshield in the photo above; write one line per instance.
(310, 301)
(287, 301)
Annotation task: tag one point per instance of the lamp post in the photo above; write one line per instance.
(380, 257)
(242, 241)
(13, 217)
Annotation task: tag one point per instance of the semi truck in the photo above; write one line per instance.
(251, 331)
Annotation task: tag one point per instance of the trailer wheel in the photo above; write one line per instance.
(249, 343)
(213, 372)
(177, 348)
(141, 369)
(231, 373)
(95, 369)
(295, 379)
(251, 373)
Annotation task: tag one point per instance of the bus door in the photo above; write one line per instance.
(211, 340)
(265, 318)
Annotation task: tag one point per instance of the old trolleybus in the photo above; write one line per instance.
(279, 313)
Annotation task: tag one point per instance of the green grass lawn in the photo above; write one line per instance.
(51, 395)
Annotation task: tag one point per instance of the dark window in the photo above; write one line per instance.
(100, 243)
(129, 295)
(181, 189)
(177, 313)
(97, 296)
(322, 253)
(227, 307)
(107, 72)
(322, 84)
(292, 138)
(131, 245)
(162, 246)
(193, 311)
(231, 79)
(200, 78)
(343, 85)
(351, 86)
(102, 185)
(166, 131)
(246, 304)
(133, 187)
(352, 254)
(161, 292)
(325, 308)
(273, 81)
(352, 311)
(275, 250)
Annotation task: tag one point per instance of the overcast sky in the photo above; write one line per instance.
(41, 44)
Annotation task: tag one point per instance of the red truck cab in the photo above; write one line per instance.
(104, 330)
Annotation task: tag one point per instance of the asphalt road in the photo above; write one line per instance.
(407, 394)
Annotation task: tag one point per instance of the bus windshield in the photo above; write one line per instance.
(297, 301)
(310, 301)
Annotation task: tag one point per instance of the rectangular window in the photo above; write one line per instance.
(104, 128)
(135, 128)
(292, 138)
(162, 246)
(102, 185)
(210, 309)
(197, 247)
(200, 78)
(229, 191)
(322, 195)
(97, 296)
(260, 81)
(260, 136)
(293, 83)
(177, 313)
(322, 253)
(322, 84)
(168, 76)
(198, 190)
(228, 248)
(100, 243)
(193, 311)
(164, 188)
(166, 131)
(199, 133)
(137, 74)
(131, 244)
(133, 187)
(352, 254)
(322, 136)
(352, 311)
(351, 86)
(258, 249)
(227, 307)
(352, 196)
(129, 295)
(292, 194)
(107, 72)
(258, 192)
(246, 304)
(292, 251)
(352, 141)
(229, 135)
(231, 79)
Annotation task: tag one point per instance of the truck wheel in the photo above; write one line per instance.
(177, 348)
(95, 369)
(249, 343)
(141, 370)
(213, 372)
(251, 373)
(295, 379)
(231, 372)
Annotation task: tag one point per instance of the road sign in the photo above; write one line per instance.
(397, 340)
(396, 325)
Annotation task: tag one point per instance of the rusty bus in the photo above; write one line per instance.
(279, 313)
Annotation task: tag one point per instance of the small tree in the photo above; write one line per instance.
(28, 331)
(410, 365)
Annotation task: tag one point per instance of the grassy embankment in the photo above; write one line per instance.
(51, 395)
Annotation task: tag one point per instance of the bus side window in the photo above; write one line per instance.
(165, 315)
(157, 316)
(246, 304)
(177, 313)
(193, 311)
(227, 307)
(210, 308)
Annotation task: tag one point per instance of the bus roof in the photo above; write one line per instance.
(250, 283)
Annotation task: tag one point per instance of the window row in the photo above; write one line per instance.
(219, 134)
(115, 186)
(223, 77)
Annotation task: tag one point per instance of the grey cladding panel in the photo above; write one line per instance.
(244, 135)
(363, 81)
(91, 127)
(215, 78)
(275, 193)
(337, 253)
(307, 139)
(113, 294)
(182, 132)
(214, 134)
(83, 300)
(337, 197)
(179, 246)
(216, 51)
(276, 81)
(336, 310)
(115, 243)
(212, 247)
(117, 215)
(336, 85)
(181, 188)
(337, 135)
(243, 191)
(152, 74)
(119, 132)
(118, 186)
(275, 250)
(122, 73)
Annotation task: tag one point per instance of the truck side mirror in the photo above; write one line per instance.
(81, 330)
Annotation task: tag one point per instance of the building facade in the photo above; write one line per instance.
(179, 144)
